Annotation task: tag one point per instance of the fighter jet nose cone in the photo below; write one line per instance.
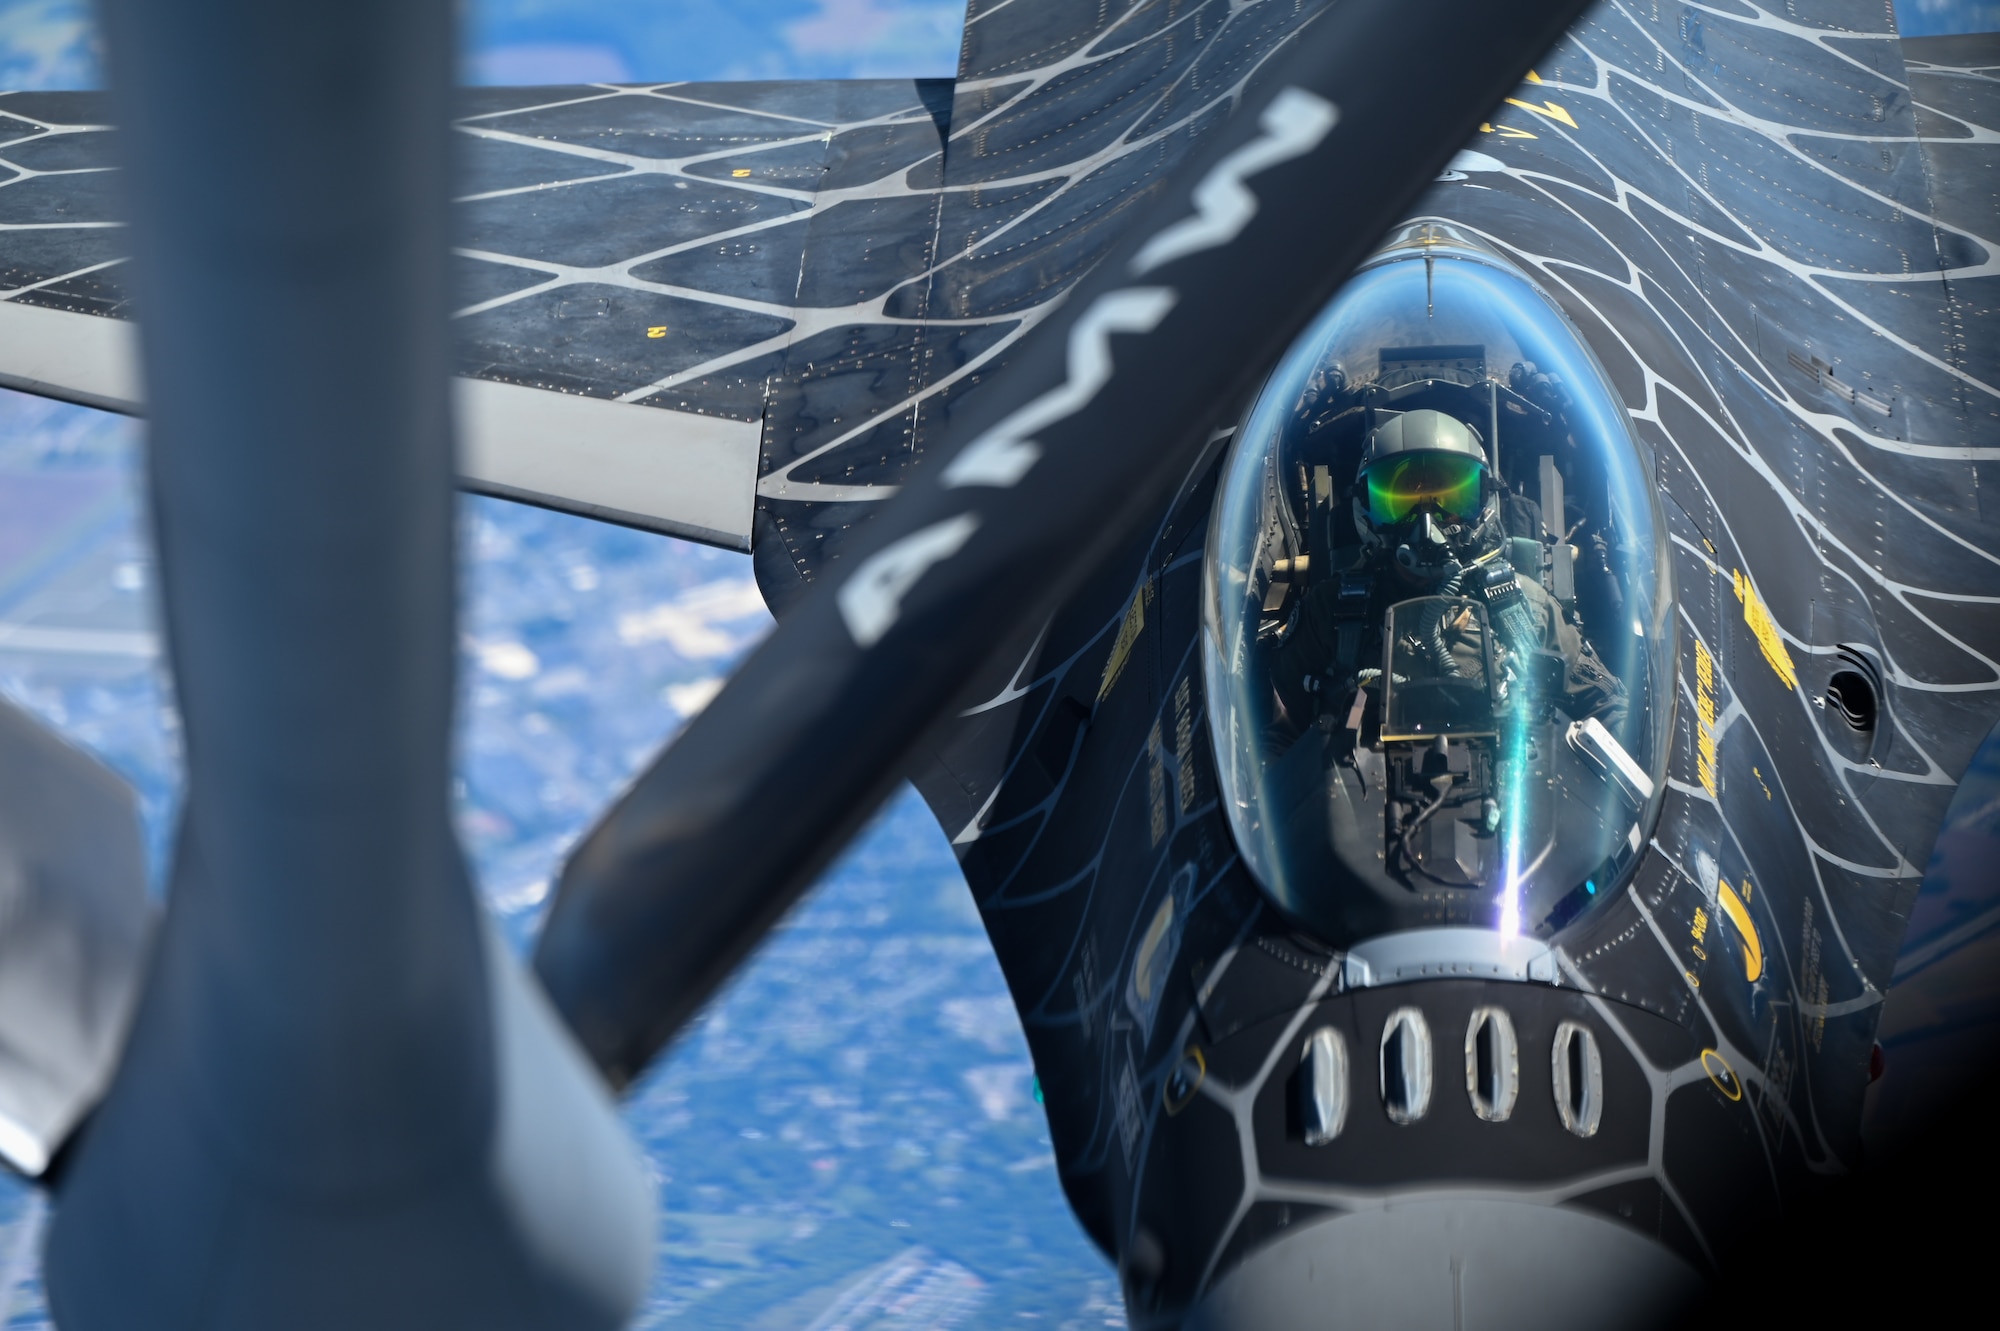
(1466, 1265)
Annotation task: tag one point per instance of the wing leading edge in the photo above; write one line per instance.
(686, 475)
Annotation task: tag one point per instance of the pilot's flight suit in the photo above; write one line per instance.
(1310, 664)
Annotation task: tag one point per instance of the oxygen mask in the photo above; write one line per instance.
(1426, 557)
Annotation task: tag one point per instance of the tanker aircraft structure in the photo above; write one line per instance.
(1469, 815)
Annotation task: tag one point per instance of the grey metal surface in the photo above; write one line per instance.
(1453, 1264)
(81, 358)
(74, 924)
(675, 472)
(360, 1115)
(1422, 954)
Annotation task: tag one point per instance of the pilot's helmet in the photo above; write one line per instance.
(1423, 464)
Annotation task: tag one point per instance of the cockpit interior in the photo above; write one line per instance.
(1438, 628)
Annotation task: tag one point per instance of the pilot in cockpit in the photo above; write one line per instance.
(1430, 523)
(1436, 604)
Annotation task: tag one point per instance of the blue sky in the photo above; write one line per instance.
(1925, 18)
(51, 44)
(512, 41)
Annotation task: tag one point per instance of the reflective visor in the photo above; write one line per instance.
(1398, 485)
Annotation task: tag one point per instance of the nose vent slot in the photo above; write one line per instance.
(1406, 1065)
(1579, 1078)
(1492, 1064)
(1323, 1086)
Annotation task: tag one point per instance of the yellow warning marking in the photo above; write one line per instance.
(1547, 110)
(1692, 979)
(1509, 132)
(1765, 629)
(740, 172)
(1128, 636)
(1718, 1070)
(1174, 1100)
(657, 330)
(1533, 77)
(1739, 915)
(1704, 706)
(1485, 127)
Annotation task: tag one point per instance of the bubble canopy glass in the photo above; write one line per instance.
(1450, 707)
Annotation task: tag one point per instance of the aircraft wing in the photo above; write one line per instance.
(836, 264)
(707, 308)
(629, 294)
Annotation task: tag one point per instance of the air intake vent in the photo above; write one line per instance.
(1579, 1078)
(1852, 698)
(1406, 1065)
(1323, 1086)
(1492, 1064)
(1856, 694)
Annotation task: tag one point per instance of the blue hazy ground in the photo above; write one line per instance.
(853, 1117)
(849, 1136)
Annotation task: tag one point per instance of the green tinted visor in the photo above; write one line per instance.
(1402, 483)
